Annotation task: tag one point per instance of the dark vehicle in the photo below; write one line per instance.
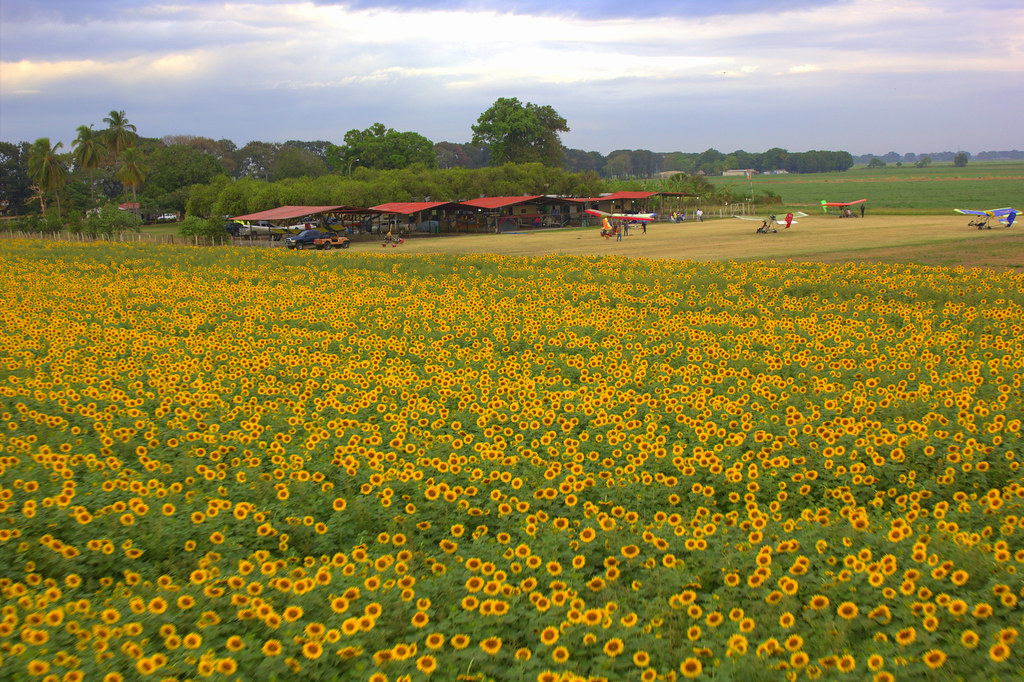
(304, 239)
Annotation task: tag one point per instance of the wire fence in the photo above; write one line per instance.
(142, 238)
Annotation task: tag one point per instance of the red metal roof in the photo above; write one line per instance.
(286, 212)
(617, 196)
(410, 207)
(499, 202)
(292, 212)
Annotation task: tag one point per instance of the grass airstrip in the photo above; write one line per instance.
(696, 453)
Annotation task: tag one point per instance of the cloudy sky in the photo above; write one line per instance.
(865, 76)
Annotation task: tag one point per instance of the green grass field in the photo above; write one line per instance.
(939, 188)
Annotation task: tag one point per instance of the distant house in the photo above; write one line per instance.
(739, 171)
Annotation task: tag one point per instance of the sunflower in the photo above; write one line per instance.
(906, 636)
(613, 647)
(934, 658)
(999, 652)
(691, 667)
(847, 610)
(426, 664)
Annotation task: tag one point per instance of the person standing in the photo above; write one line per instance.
(700, 215)
(862, 210)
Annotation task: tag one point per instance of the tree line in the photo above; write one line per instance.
(179, 173)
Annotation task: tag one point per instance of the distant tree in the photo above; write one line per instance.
(47, 170)
(15, 183)
(173, 170)
(455, 155)
(518, 133)
(579, 161)
(222, 149)
(317, 148)
(450, 155)
(255, 159)
(88, 154)
(382, 148)
(131, 172)
(924, 162)
(961, 159)
(876, 163)
(296, 162)
(619, 164)
(119, 135)
(774, 159)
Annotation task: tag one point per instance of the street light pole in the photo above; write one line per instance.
(350, 166)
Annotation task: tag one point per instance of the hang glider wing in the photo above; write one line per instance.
(842, 203)
(642, 217)
(992, 212)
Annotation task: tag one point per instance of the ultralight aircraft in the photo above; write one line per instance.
(1005, 216)
(843, 206)
(768, 224)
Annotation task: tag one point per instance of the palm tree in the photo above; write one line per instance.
(131, 172)
(120, 134)
(47, 169)
(89, 150)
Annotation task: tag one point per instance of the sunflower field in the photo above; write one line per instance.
(239, 464)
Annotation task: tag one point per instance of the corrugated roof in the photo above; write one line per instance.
(410, 207)
(499, 202)
(292, 212)
(286, 212)
(616, 196)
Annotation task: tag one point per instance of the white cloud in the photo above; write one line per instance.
(270, 52)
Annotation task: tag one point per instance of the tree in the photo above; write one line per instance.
(120, 134)
(255, 159)
(15, 184)
(172, 170)
(518, 133)
(924, 162)
(383, 149)
(961, 159)
(876, 163)
(222, 150)
(111, 220)
(47, 169)
(579, 161)
(88, 153)
(131, 173)
(295, 162)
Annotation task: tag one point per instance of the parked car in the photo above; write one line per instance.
(304, 239)
(332, 241)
